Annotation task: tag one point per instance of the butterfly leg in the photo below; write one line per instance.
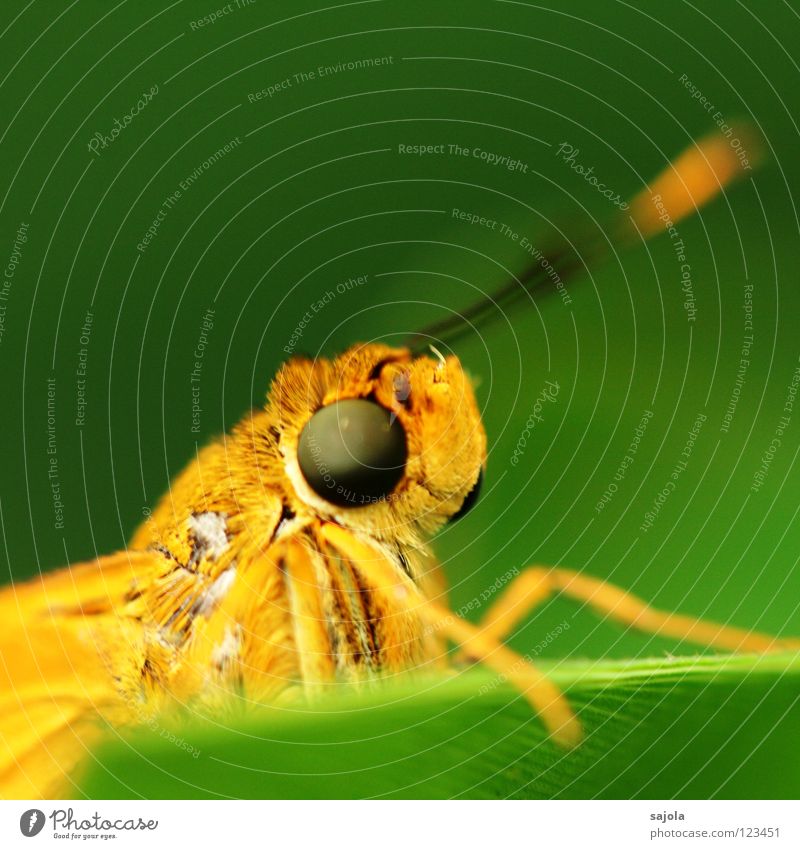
(544, 696)
(537, 583)
(315, 656)
(383, 580)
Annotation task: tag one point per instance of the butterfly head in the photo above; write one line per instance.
(380, 440)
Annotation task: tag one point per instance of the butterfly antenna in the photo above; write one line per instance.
(689, 182)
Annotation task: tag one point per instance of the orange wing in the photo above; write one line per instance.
(56, 680)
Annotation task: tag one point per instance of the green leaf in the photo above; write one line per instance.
(726, 727)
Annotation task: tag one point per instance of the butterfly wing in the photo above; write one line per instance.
(62, 636)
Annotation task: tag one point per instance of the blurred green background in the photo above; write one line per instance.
(317, 190)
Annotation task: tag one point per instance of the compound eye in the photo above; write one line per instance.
(471, 500)
(352, 452)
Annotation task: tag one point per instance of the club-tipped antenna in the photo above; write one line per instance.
(689, 182)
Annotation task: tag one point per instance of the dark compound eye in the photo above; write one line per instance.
(352, 452)
(471, 500)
